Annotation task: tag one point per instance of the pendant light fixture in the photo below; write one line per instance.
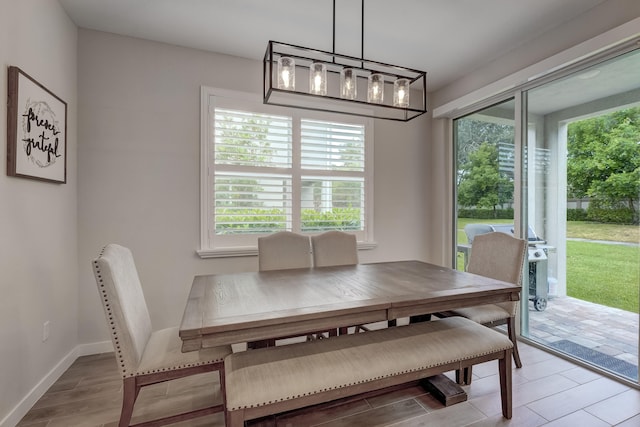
(334, 81)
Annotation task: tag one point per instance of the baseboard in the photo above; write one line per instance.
(20, 410)
(94, 348)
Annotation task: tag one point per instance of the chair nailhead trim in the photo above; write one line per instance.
(107, 306)
(118, 350)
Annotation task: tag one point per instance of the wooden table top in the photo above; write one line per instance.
(240, 307)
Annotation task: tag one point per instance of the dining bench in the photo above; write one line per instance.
(272, 380)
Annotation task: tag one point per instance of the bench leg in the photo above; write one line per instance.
(504, 366)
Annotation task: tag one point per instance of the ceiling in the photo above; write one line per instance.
(614, 79)
(446, 38)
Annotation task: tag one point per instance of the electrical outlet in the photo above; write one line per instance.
(46, 329)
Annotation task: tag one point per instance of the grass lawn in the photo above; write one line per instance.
(597, 272)
(604, 274)
(611, 232)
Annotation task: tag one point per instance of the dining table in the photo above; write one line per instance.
(242, 307)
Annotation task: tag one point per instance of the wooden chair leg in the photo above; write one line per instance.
(511, 330)
(129, 394)
(506, 387)
(463, 376)
(467, 373)
(223, 392)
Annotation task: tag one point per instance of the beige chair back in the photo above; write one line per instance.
(124, 305)
(334, 248)
(284, 250)
(501, 257)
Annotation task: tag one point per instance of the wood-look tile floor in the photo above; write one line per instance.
(547, 391)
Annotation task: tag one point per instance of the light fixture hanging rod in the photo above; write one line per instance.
(334, 28)
(361, 31)
(333, 49)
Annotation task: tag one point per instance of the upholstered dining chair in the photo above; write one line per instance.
(334, 248)
(144, 356)
(283, 250)
(498, 256)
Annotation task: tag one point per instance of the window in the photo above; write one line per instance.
(268, 169)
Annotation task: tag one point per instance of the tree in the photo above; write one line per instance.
(481, 184)
(604, 159)
(473, 131)
(242, 141)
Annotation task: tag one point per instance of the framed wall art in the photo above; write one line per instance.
(36, 130)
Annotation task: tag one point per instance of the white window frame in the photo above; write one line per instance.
(246, 245)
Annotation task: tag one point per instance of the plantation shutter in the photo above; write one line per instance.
(333, 176)
(252, 178)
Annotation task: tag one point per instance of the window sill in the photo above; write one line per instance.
(241, 251)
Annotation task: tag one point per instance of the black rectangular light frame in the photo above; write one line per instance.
(332, 102)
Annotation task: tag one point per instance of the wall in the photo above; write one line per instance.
(139, 142)
(439, 194)
(38, 235)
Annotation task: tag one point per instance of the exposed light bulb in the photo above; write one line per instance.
(348, 83)
(401, 93)
(375, 94)
(318, 79)
(286, 73)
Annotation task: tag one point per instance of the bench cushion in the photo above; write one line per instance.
(263, 376)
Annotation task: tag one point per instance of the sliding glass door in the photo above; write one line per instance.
(560, 160)
(583, 180)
